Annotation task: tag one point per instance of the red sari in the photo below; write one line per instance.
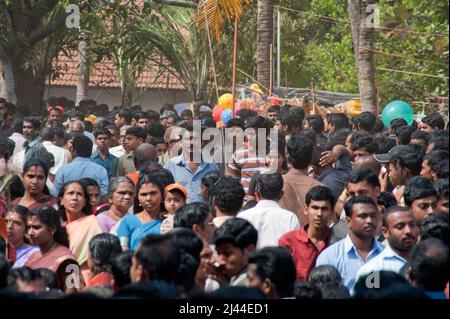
(45, 200)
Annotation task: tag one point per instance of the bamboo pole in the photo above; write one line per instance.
(236, 22)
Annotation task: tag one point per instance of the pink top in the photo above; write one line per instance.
(51, 259)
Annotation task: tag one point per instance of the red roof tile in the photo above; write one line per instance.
(104, 74)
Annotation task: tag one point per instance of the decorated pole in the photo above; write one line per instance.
(236, 22)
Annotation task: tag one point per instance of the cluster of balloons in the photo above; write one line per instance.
(397, 109)
(222, 112)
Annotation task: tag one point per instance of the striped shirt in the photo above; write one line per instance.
(244, 164)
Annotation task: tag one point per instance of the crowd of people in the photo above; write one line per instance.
(110, 204)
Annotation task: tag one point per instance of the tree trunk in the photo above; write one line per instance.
(264, 41)
(82, 70)
(7, 82)
(29, 90)
(363, 37)
(366, 63)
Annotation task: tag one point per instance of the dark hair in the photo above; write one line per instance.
(386, 199)
(164, 176)
(82, 145)
(24, 274)
(379, 126)
(7, 147)
(137, 131)
(127, 115)
(273, 108)
(188, 241)
(338, 120)
(190, 215)
(103, 248)
(442, 169)
(348, 206)
(366, 121)
(158, 140)
(156, 129)
(324, 274)
(120, 268)
(47, 134)
(35, 122)
(87, 209)
(35, 162)
(315, 122)
(393, 209)
(434, 158)
(153, 115)
(300, 151)
(145, 179)
(439, 143)
(77, 114)
(363, 175)
(406, 157)
(319, 193)
(404, 134)
(337, 138)
(102, 131)
(49, 216)
(307, 291)
(4, 268)
(49, 277)
(140, 115)
(257, 122)
(187, 113)
(275, 264)
(229, 195)
(385, 144)
(58, 132)
(291, 120)
(244, 114)
(386, 280)
(365, 142)
(236, 122)
(237, 232)
(211, 178)
(159, 255)
(435, 226)
(421, 135)
(429, 265)
(87, 181)
(435, 120)
(397, 123)
(334, 290)
(416, 188)
(270, 186)
(441, 187)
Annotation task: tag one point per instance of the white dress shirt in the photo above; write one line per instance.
(271, 221)
(19, 140)
(59, 154)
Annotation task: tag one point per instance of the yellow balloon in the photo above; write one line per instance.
(226, 101)
(353, 107)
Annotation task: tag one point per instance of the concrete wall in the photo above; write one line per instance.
(151, 99)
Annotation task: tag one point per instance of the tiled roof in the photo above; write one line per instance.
(104, 74)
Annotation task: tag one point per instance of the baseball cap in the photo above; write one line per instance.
(177, 186)
(396, 151)
(205, 108)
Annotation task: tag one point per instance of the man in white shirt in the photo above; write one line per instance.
(270, 220)
(401, 231)
(59, 154)
(120, 150)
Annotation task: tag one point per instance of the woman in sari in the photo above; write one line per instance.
(81, 226)
(121, 195)
(16, 225)
(134, 228)
(34, 177)
(45, 231)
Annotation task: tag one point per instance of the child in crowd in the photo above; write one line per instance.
(175, 196)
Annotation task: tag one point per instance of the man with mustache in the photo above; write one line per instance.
(401, 231)
(359, 246)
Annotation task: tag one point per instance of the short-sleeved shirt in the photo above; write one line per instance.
(303, 251)
(108, 162)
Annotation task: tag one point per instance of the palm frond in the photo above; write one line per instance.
(212, 13)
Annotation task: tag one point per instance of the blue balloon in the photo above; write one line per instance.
(226, 116)
(397, 109)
